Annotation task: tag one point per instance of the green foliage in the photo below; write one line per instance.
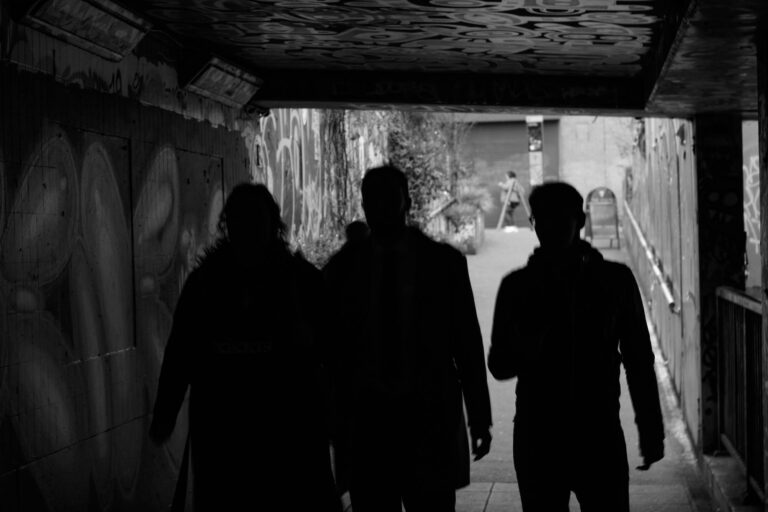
(461, 213)
(415, 145)
(470, 191)
(427, 147)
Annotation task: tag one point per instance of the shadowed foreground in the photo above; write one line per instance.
(670, 485)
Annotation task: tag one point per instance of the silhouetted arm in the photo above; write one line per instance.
(175, 374)
(502, 362)
(637, 356)
(469, 355)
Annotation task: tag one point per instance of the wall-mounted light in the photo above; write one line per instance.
(99, 26)
(225, 83)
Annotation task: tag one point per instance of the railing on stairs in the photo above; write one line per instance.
(740, 382)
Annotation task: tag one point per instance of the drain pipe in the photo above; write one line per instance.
(665, 289)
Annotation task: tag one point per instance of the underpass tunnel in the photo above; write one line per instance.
(123, 127)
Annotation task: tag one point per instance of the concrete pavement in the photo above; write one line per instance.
(671, 485)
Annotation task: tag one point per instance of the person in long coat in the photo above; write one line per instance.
(563, 325)
(407, 357)
(245, 341)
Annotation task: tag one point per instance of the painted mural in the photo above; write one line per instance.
(76, 382)
(285, 152)
(101, 219)
(103, 214)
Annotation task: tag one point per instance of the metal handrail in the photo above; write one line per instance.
(740, 298)
(740, 382)
(652, 260)
(441, 208)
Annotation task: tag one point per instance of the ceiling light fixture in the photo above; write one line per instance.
(225, 83)
(101, 27)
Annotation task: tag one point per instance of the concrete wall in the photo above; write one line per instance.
(662, 193)
(751, 166)
(493, 148)
(594, 152)
(111, 182)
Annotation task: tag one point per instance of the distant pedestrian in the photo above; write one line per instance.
(563, 324)
(245, 341)
(512, 193)
(408, 358)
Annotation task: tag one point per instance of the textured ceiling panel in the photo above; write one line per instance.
(713, 67)
(534, 37)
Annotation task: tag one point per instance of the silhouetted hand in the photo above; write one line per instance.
(650, 456)
(481, 442)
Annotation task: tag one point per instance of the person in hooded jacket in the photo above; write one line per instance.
(563, 325)
(246, 340)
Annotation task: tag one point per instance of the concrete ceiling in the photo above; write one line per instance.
(712, 66)
(543, 56)
(521, 37)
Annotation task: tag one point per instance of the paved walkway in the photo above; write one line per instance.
(671, 485)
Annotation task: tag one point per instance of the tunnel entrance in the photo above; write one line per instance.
(124, 127)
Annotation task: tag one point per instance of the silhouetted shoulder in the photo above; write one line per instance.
(305, 268)
(437, 249)
(342, 259)
(215, 259)
(515, 277)
(617, 273)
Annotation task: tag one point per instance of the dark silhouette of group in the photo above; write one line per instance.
(380, 355)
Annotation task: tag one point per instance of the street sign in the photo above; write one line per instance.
(602, 216)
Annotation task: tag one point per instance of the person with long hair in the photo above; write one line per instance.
(245, 341)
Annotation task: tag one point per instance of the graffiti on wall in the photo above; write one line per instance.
(661, 191)
(83, 264)
(751, 169)
(285, 155)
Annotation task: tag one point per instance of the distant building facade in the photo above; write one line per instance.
(586, 151)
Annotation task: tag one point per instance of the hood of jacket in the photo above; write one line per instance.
(582, 254)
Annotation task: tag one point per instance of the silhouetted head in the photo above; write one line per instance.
(356, 231)
(386, 200)
(511, 174)
(557, 214)
(251, 219)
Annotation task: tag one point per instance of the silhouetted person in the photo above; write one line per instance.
(513, 193)
(244, 339)
(563, 324)
(408, 347)
(356, 231)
